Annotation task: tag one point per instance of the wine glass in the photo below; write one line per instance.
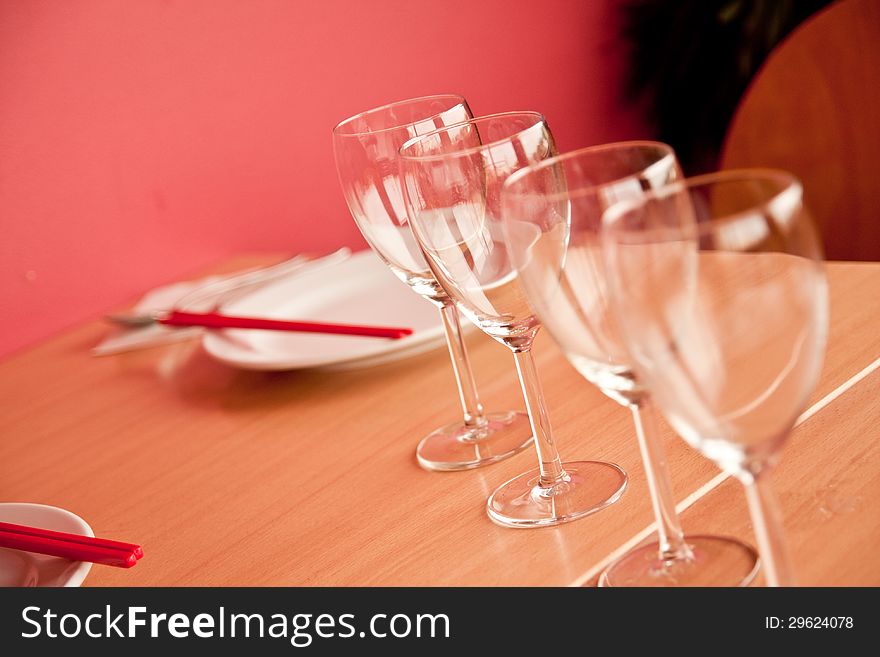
(720, 292)
(365, 147)
(552, 219)
(452, 180)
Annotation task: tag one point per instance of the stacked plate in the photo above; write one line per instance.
(359, 290)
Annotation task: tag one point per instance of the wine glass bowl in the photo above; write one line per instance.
(553, 213)
(365, 148)
(452, 183)
(731, 341)
(458, 173)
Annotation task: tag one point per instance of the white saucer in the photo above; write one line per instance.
(360, 290)
(19, 568)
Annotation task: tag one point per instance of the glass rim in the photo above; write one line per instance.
(788, 182)
(404, 101)
(509, 186)
(473, 149)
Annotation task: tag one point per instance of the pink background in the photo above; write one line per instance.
(142, 140)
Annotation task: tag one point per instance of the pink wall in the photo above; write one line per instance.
(143, 140)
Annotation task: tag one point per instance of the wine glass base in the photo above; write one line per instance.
(717, 561)
(589, 487)
(458, 446)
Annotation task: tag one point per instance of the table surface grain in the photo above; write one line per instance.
(229, 477)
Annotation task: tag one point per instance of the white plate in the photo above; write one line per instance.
(19, 568)
(360, 290)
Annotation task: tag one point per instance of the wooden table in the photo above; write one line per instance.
(309, 478)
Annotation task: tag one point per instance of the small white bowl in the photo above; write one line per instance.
(19, 568)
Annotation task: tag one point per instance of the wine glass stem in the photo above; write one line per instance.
(551, 467)
(669, 532)
(461, 365)
(767, 521)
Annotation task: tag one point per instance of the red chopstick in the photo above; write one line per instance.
(74, 538)
(216, 320)
(69, 546)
